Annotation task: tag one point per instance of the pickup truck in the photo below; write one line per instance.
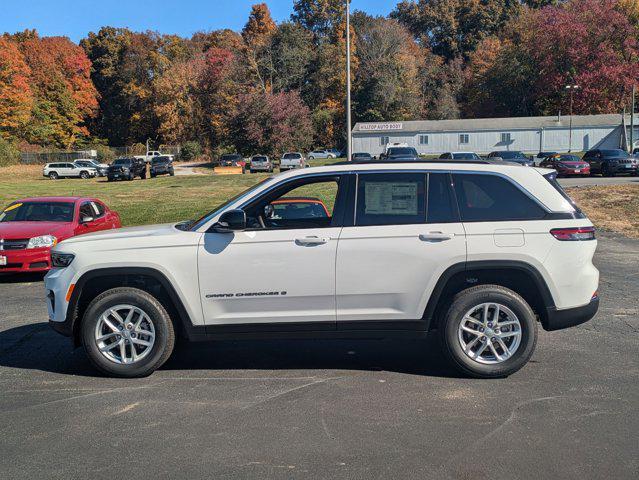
(150, 155)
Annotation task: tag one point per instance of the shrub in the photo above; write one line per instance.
(9, 153)
(190, 151)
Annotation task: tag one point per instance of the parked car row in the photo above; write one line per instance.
(121, 169)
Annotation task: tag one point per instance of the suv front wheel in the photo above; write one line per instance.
(126, 332)
(489, 332)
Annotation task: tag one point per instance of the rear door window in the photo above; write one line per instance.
(391, 199)
(486, 198)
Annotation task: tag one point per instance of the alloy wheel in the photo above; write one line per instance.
(489, 333)
(124, 334)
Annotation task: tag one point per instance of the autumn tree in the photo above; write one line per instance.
(64, 96)
(16, 98)
(454, 28)
(257, 35)
(272, 124)
(388, 84)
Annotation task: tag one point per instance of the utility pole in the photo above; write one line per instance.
(349, 149)
(632, 120)
(572, 89)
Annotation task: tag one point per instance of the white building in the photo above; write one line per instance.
(484, 135)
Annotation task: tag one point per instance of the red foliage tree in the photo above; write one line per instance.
(15, 94)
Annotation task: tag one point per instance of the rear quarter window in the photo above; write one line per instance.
(490, 198)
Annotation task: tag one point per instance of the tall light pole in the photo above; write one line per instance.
(572, 89)
(349, 148)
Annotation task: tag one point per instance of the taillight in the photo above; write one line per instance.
(573, 234)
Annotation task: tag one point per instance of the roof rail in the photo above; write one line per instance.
(425, 160)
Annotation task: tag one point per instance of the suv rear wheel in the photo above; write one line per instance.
(126, 332)
(53, 175)
(489, 332)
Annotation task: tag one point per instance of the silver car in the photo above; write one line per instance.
(261, 163)
(321, 154)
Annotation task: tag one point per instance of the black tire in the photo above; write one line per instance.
(164, 332)
(605, 171)
(172, 173)
(465, 301)
(53, 175)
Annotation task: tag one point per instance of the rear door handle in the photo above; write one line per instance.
(436, 236)
(307, 241)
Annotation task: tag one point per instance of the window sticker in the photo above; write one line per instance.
(391, 198)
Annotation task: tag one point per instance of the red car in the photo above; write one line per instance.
(566, 165)
(30, 227)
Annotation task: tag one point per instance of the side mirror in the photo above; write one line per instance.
(86, 219)
(231, 221)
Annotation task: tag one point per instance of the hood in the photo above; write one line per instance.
(128, 233)
(20, 230)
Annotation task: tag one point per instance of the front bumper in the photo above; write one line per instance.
(624, 168)
(57, 283)
(31, 260)
(574, 171)
(560, 319)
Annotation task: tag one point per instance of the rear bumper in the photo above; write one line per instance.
(560, 319)
(35, 260)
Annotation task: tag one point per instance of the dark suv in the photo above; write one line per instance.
(610, 162)
(126, 169)
(400, 154)
(162, 165)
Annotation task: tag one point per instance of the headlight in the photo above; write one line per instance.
(61, 260)
(43, 241)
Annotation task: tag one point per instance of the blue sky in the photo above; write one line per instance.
(75, 18)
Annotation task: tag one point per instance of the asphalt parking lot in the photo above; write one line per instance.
(320, 409)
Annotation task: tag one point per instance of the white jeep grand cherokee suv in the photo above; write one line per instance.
(477, 253)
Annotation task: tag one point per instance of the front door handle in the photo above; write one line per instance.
(436, 236)
(308, 241)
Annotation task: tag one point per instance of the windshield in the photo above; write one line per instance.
(291, 156)
(615, 153)
(509, 155)
(569, 158)
(464, 156)
(402, 151)
(230, 157)
(122, 161)
(38, 212)
(204, 219)
(157, 160)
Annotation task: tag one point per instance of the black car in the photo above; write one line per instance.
(361, 157)
(610, 162)
(162, 165)
(231, 160)
(400, 154)
(126, 169)
(513, 156)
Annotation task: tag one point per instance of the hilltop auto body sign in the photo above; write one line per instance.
(376, 127)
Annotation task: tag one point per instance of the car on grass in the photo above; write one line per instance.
(31, 226)
(101, 168)
(68, 170)
(514, 156)
(126, 169)
(261, 163)
(292, 161)
(232, 160)
(162, 165)
(476, 254)
(460, 156)
(611, 162)
(566, 165)
(321, 154)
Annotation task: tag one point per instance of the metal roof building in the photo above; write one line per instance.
(484, 135)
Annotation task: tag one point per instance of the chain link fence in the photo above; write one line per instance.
(41, 158)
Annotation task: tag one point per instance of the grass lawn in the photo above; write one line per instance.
(168, 199)
(613, 208)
